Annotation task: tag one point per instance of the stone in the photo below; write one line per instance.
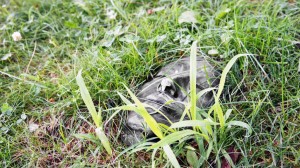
(171, 84)
(213, 52)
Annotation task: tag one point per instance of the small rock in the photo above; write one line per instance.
(6, 56)
(16, 36)
(213, 52)
(111, 14)
(187, 17)
(23, 116)
(32, 127)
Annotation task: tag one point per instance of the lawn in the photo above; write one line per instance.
(44, 121)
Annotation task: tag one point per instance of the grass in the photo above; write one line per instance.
(69, 36)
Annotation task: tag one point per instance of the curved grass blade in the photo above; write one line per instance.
(193, 123)
(241, 124)
(185, 112)
(92, 110)
(89, 137)
(192, 158)
(153, 158)
(129, 107)
(225, 72)
(112, 116)
(124, 98)
(175, 137)
(141, 110)
(228, 158)
(158, 111)
(227, 114)
(202, 92)
(217, 107)
(140, 147)
(170, 154)
(104, 140)
(203, 125)
(88, 100)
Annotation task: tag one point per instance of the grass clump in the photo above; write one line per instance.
(96, 116)
(202, 128)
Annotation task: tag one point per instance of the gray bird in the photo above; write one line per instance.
(171, 84)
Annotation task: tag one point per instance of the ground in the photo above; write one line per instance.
(43, 117)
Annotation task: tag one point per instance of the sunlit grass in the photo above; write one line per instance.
(202, 127)
(96, 116)
(261, 90)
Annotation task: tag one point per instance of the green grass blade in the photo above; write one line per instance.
(228, 158)
(88, 100)
(171, 138)
(193, 123)
(192, 158)
(112, 116)
(202, 149)
(151, 122)
(193, 80)
(97, 118)
(140, 147)
(158, 111)
(89, 137)
(217, 107)
(225, 72)
(241, 124)
(124, 98)
(218, 110)
(203, 125)
(104, 140)
(185, 112)
(128, 150)
(153, 158)
(227, 114)
(130, 107)
(209, 149)
(202, 92)
(170, 154)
